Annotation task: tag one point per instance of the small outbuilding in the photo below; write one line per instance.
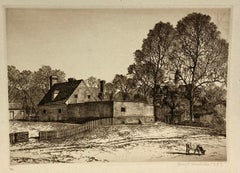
(16, 112)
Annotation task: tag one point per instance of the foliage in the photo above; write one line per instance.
(28, 87)
(200, 55)
(124, 85)
(172, 99)
(110, 90)
(151, 62)
(212, 95)
(193, 51)
(92, 82)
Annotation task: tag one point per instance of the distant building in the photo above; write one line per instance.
(16, 112)
(75, 101)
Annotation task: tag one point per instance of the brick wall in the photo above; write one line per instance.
(90, 109)
(132, 113)
(54, 112)
(121, 109)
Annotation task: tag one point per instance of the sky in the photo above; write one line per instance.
(88, 42)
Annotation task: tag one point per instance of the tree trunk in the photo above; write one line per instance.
(172, 115)
(155, 103)
(154, 108)
(191, 109)
(191, 102)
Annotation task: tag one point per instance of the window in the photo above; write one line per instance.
(44, 111)
(89, 96)
(123, 109)
(59, 111)
(75, 96)
(55, 93)
(22, 113)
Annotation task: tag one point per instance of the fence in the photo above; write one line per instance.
(59, 134)
(18, 137)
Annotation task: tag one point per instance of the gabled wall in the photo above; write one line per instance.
(83, 93)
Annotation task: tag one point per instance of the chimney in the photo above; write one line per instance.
(102, 85)
(53, 80)
(176, 78)
(101, 93)
(71, 79)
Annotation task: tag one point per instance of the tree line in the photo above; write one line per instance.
(192, 55)
(178, 67)
(28, 88)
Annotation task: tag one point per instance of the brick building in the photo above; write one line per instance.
(74, 101)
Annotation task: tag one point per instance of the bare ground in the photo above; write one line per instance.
(122, 143)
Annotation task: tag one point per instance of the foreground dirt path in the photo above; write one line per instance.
(159, 142)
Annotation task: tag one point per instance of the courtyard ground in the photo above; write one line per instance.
(120, 143)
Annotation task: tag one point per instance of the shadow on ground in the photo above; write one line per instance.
(182, 153)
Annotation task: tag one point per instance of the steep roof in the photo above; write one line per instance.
(65, 90)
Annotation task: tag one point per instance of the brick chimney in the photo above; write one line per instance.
(53, 80)
(71, 79)
(102, 88)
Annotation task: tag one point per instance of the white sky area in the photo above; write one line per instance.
(90, 42)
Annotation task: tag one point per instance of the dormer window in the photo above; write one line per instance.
(89, 96)
(54, 94)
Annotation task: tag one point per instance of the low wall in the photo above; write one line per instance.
(59, 134)
(132, 113)
(51, 112)
(100, 109)
(18, 137)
